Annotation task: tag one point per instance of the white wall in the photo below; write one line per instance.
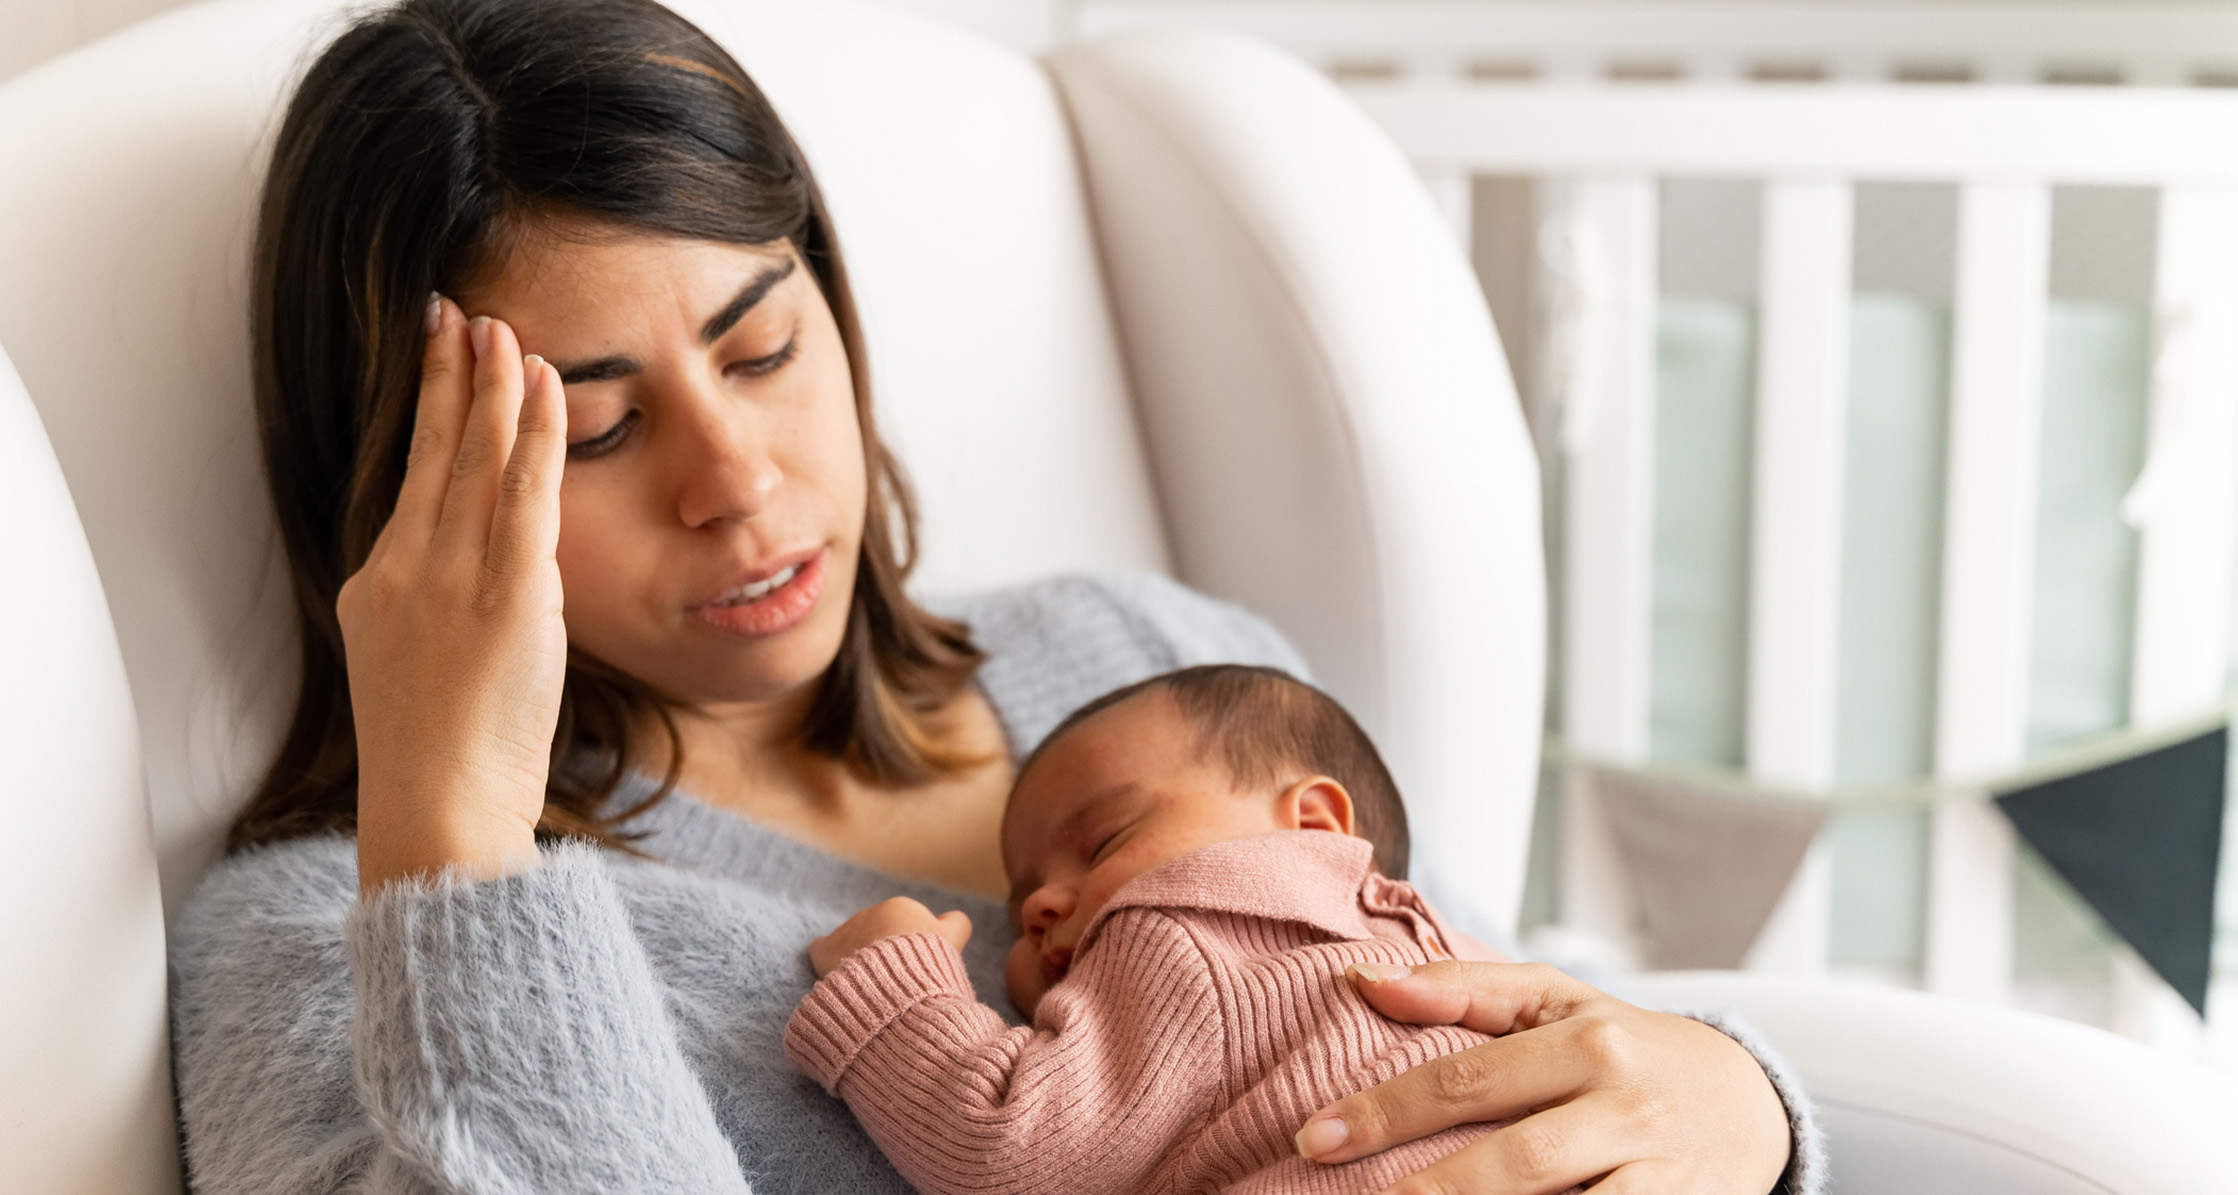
(1031, 25)
(32, 31)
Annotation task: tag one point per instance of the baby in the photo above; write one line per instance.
(1195, 860)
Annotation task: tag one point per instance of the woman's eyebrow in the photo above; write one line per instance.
(752, 293)
(607, 369)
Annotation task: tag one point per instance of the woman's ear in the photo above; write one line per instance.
(1315, 803)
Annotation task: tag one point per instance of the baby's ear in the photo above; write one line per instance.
(1316, 803)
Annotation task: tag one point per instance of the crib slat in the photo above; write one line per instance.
(1802, 397)
(2188, 499)
(1606, 228)
(1989, 550)
(2185, 508)
(1449, 188)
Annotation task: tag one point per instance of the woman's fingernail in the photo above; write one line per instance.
(434, 313)
(478, 331)
(1379, 972)
(1320, 1138)
(532, 372)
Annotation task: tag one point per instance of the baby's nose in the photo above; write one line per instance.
(1047, 906)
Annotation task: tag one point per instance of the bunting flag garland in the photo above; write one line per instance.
(2140, 840)
(1707, 865)
(2132, 822)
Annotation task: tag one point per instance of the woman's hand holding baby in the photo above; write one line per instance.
(889, 918)
(1653, 1101)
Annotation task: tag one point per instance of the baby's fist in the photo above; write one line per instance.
(887, 919)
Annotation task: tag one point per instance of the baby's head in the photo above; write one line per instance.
(1145, 774)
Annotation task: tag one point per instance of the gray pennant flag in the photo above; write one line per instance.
(1707, 864)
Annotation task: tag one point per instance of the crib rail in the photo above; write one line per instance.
(2001, 41)
(1599, 151)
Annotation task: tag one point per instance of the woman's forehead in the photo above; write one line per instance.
(572, 261)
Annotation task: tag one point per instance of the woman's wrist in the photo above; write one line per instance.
(1805, 1170)
(475, 846)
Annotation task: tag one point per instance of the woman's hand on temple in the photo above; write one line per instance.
(889, 918)
(1656, 1102)
(453, 628)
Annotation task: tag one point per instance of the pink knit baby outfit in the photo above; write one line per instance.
(1206, 1015)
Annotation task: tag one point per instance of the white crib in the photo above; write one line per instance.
(1602, 149)
(1596, 102)
(2004, 149)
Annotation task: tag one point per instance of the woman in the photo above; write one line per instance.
(609, 525)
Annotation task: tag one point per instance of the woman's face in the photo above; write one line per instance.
(715, 488)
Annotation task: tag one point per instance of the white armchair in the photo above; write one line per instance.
(1161, 302)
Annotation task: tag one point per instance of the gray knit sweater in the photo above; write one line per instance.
(604, 1024)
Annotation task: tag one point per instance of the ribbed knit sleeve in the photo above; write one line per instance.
(1087, 1101)
(455, 1037)
(855, 1003)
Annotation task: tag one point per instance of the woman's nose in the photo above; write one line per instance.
(726, 470)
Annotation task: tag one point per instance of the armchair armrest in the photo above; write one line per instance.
(1924, 1094)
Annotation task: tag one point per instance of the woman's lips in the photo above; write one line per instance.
(780, 609)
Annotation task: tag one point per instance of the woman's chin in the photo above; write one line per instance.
(756, 670)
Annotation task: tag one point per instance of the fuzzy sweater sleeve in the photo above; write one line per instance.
(506, 1036)
(1123, 1059)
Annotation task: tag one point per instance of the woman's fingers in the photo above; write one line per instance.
(524, 532)
(1548, 1152)
(1492, 998)
(456, 695)
(486, 443)
(1650, 1177)
(438, 420)
(1493, 1081)
(1635, 1089)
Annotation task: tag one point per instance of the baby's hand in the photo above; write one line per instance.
(886, 919)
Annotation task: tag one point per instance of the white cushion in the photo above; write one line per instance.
(85, 1090)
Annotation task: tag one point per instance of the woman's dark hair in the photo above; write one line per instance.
(420, 141)
(1269, 729)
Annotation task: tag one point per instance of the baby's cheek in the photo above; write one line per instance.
(1022, 975)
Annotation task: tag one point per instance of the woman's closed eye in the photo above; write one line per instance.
(605, 441)
(755, 367)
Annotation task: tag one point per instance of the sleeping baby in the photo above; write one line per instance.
(1195, 861)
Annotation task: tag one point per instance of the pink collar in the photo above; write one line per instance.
(1313, 877)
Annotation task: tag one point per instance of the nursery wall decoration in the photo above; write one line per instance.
(2140, 840)
(2132, 821)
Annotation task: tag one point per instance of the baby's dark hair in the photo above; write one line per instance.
(1269, 728)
